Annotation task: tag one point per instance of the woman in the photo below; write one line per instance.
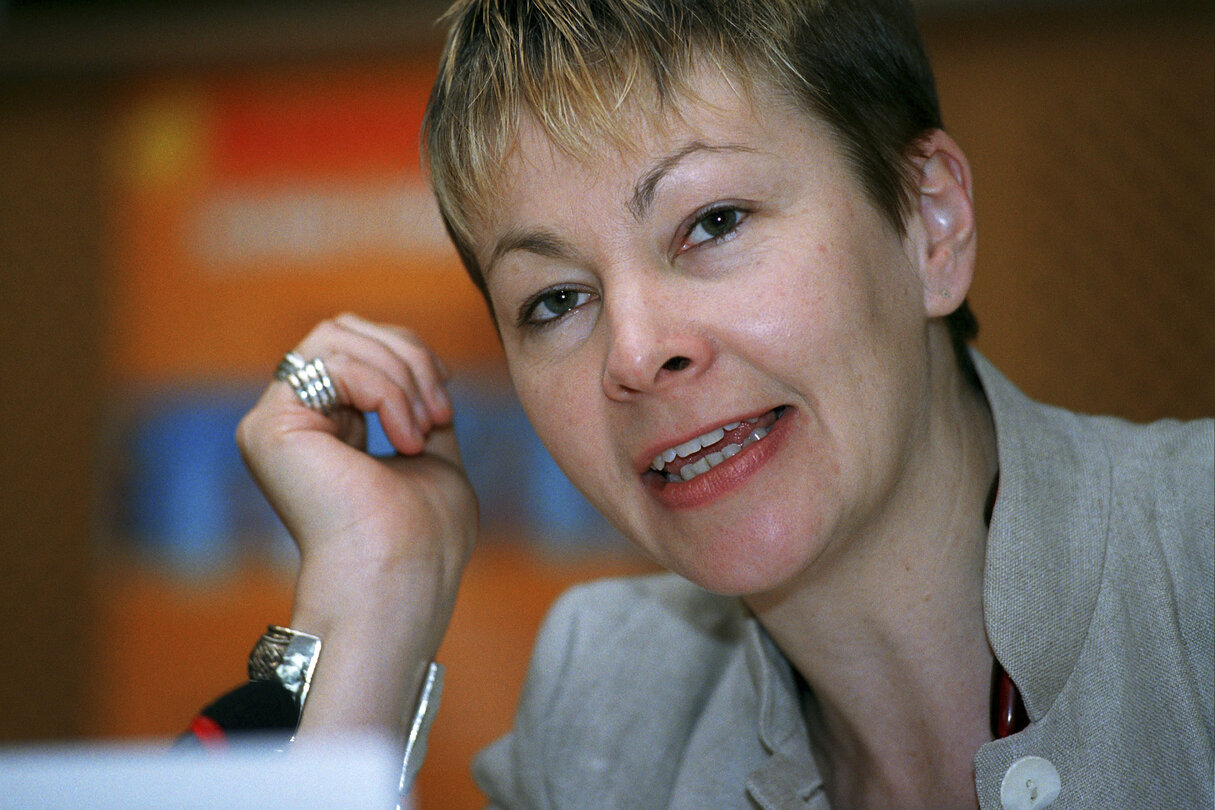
(727, 248)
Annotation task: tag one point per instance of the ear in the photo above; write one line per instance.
(943, 223)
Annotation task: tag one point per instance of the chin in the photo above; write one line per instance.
(742, 566)
(743, 582)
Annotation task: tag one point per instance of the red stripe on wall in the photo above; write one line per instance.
(316, 127)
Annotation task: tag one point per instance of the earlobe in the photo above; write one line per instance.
(946, 214)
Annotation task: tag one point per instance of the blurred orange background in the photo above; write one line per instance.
(177, 213)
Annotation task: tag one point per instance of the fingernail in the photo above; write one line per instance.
(438, 395)
(421, 415)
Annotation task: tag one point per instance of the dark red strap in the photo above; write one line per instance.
(258, 707)
(1007, 709)
(209, 733)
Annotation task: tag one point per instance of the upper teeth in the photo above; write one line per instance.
(706, 440)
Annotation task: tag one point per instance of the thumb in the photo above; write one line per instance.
(441, 442)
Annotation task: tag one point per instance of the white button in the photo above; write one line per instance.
(1031, 783)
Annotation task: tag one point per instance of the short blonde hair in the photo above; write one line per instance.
(572, 65)
(575, 65)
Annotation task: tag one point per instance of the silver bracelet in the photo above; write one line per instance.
(419, 727)
(289, 657)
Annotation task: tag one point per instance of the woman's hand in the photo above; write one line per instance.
(383, 541)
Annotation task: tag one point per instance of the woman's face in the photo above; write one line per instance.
(723, 283)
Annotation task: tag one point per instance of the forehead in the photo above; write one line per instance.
(718, 113)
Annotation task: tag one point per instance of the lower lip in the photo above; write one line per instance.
(725, 477)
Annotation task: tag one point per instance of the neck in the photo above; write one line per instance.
(887, 627)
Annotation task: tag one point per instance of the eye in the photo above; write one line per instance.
(549, 305)
(714, 225)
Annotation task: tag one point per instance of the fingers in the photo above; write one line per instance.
(402, 340)
(383, 369)
(367, 388)
(397, 351)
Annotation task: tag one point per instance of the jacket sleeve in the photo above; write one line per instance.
(264, 708)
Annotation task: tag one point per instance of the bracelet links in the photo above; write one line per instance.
(288, 657)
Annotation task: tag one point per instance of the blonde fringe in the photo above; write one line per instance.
(577, 75)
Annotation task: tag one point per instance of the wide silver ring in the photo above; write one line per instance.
(310, 380)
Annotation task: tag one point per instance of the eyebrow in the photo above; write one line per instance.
(539, 242)
(549, 245)
(643, 192)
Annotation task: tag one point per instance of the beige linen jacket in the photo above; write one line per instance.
(1098, 600)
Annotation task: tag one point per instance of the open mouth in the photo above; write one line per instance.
(697, 456)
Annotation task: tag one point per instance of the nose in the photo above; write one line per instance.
(651, 349)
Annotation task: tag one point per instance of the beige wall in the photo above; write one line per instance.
(1092, 138)
(50, 311)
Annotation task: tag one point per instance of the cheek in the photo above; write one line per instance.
(559, 400)
(786, 306)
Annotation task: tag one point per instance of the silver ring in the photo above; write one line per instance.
(310, 380)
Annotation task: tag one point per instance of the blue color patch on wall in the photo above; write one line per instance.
(187, 500)
(519, 485)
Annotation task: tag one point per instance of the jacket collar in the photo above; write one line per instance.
(1046, 545)
(789, 776)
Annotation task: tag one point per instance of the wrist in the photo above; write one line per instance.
(398, 614)
(342, 580)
